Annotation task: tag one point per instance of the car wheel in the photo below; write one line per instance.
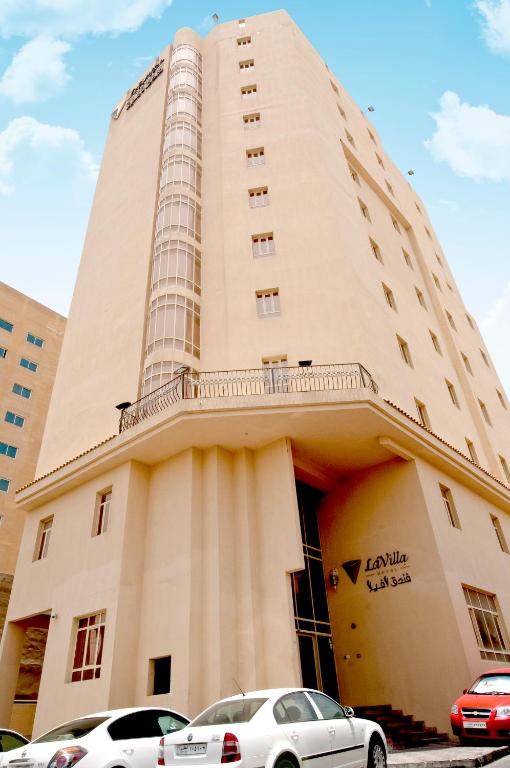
(376, 753)
(285, 762)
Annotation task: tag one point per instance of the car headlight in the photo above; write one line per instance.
(502, 711)
(455, 709)
(67, 757)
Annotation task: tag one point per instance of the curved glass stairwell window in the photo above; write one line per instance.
(184, 75)
(174, 322)
(176, 263)
(184, 103)
(183, 135)
(182, 170)
(186, 53)
(179, 213)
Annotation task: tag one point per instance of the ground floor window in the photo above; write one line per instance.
(88, 651)
(488, 626)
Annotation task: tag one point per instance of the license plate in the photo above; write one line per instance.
(474, 725)
(191, 749)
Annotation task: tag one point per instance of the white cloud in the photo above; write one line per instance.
(28, 133)
(473, 140)
(495, 326)
(37, 71)
(70, 18)
(495, 24)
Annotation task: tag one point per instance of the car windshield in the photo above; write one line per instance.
(237, 711)
(72, 730)
(492, 684)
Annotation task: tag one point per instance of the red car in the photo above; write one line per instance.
(483, 712)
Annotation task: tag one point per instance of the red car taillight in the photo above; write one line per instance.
(230, 752)
(161, 751)
(67, 757)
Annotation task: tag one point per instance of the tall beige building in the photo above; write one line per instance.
(30, 341)
(311, 481)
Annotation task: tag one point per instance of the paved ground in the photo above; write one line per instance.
(451, 757)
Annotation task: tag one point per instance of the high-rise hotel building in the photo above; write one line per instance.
(311, 479)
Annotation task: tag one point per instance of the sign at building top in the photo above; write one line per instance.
(134, 94)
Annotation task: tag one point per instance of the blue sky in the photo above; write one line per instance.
(436, 71)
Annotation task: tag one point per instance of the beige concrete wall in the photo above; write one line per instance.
(27, 316)
(104, 343)
(407, 637)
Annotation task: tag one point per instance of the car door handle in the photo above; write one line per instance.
(331, 730)
(294, 735)
(129, 751)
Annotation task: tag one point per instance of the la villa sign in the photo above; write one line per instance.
(387, 570)
(134, 94)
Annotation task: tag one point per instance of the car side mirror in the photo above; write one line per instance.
(465, 690)
(349, 712)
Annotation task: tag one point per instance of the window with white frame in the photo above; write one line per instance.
(488, 626)
(449, 506)
(88, 648)
(246, 65)
(268, 302)
(258, 197)
(102, 512)
(263, 245)
(248, 91)
(251, 121)
(255, 156)
(188, 54)
(43, 538)
(243, 41)
(30, 365)
(498, 530)
(14, 418)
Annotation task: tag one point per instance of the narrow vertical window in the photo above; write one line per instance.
(467, 364)
(390, 299)
(485, 412)
(472, 451)
(451, 320)
(102, 513)
(505, 468)
(485, 358)
(499, 534)
(420, 297)
(422, 412)
(43, 538)
(379, 160)
(364, 210)
(490, 632)
(396, 225)
(376, 250)
(354, 176)
(404, 351)
(435, 342)
(438, 284)
(449, 505)
(452, 393)
(350, 139)
(159, 675)
(407, 259)
(342, 112)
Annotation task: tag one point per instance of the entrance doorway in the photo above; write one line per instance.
(311, 613)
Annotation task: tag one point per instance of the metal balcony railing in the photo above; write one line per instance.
(191, 385)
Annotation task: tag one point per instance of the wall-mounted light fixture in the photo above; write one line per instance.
(123, 406)
(304, 363)
(333, 578)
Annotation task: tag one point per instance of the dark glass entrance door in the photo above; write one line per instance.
(311, 612)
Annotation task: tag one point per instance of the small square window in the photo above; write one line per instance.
(248, 91)
(452, 393)
(268, 302)
(472, 451)
(242, 22)
(263, 245)
(396, 225)
(379, 160)
(505, 468)
(376, 250)
(255, 156)
(43, 538)
(4, 484)
(435, 342)
(501, 399)
(160, 671)
(22, 391)
(247, 64)
(13, 418)
(485, 412)
(241, 41)
(407, 259)
(28, 364)
(420, 297)
(467, 364)
(6, 325)
(364, 210)
(485, 358)
(258, 197)
(499, 534)
(451, 320)
(350, 138)
(8, 450)
(422, 412)
(451, 511)
(390, 299)
(405, 352)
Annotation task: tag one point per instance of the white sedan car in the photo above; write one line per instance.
(278, 728)
(120, 738)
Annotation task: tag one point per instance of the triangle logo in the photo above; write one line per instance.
(351, 567)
